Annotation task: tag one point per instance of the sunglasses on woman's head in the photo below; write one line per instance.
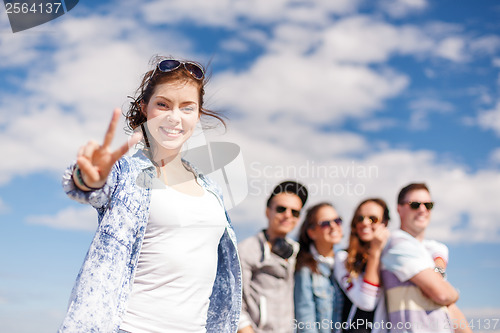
(169, 65)
(325, 224)
(371, 218)
(416, 205)
(281, 209)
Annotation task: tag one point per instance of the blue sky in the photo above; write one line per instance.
(354, 98)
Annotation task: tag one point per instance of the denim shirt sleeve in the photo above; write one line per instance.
(246, 275)
(98, 198)
(338, 305)
(305, 309)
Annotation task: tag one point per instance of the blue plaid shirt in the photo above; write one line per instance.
(99, 297)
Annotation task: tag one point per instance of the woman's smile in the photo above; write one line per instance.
(171, 132)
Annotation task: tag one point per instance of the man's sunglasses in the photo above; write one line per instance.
(371, 218)
(325, 224)
(281, 209)
(169, 65)
(416, 205)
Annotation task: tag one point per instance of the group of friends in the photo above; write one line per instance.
(165, 257)
(384, 281)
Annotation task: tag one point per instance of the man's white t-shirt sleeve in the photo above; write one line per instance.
(437, 249)
(406, 256)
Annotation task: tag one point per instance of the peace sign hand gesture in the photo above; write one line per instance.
(94, 161)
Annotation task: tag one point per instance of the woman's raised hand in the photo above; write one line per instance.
(380, 236)
(95, 161)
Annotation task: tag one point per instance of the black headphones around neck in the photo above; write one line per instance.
(280, 246)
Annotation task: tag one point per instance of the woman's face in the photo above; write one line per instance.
(172, 114)
(329, 234)
(371, 211)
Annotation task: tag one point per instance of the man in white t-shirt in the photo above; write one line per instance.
(417, 295)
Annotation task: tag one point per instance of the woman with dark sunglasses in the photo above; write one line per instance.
(316, 295)
(357, 269)
(164, 256)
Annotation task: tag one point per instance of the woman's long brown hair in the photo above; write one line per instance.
(357, 252)
(305, 257)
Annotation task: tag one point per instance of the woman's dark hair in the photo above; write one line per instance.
(357, 252)
(305, 257)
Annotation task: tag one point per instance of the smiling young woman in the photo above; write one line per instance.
(357, 269)
(164, 255)
(316, 295)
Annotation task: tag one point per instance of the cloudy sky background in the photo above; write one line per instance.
(353, 98)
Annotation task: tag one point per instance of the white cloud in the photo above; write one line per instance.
(464, 211)
(69, 218)
(33, 143)
(442, 29)
(430, 73)
(377, 124)
(255, 35)
(245, 41)
(422, 108)
(15, 51)
(234, 14)
(490, 119)
(403, 8)
(303, 86)
(3, 207)
(364, 39)
(289, 136)
(235, 45)
(495, 156)
(486, 44)
(452, 48)
(294, 38)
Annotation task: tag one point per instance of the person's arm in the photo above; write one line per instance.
(435, 287)
(372, 271)
(305, 308)
(363, 290)
(362, 294)
(94, 164)
(458, 319)
(406, 258)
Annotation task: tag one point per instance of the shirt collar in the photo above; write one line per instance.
(145, 163)
(329, 261)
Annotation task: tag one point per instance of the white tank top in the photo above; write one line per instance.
(177, 263)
